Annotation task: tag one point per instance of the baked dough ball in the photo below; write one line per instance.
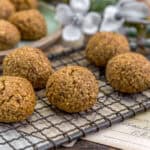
(72, 89)
(30, 63)
(105, 45)
(31, 24)
(6, 9)
(17, 99)
(25, 4)
(129, 73)
(9, 35)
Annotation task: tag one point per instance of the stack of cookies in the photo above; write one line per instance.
(20, 20)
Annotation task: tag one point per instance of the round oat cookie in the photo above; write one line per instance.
(6, 9)
(30, 63)
(72, 89)
(9, 35)
(129, 73)
(104, 45)
(31, 24)
(17, 99)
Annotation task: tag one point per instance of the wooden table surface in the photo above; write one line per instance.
(86, 145)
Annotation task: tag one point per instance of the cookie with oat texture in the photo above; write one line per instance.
(30, 63)
(17, 99)
(104, 45)
(129, 73)
(72, 89)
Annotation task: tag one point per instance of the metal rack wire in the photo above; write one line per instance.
(49, 127)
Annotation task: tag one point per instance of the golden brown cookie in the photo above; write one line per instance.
(31, 24)
(6, 9)
(129, 73)
(30, 63)
(104, 45)
(17, 99)
(25, 4)
(9, 35)
(72, 89)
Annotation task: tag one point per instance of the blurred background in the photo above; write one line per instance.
(81, 19)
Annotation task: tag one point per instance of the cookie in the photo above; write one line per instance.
(29, 63)
(9, 35)
(72, 89)
(17, 99)
(31, 24)
(105, 45)
(25, 4)
(6, 9)
(129, 73)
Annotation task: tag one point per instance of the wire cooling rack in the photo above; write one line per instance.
(49, 127)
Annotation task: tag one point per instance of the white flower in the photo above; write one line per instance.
(110, 22)
(133, 9)
(130, 10)
(76, 20)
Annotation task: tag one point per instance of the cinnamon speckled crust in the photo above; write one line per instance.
(129, 73)
(31, 24)
(6, 9)
(105, 45)
(30, 63)
(25, 4)
(72, 89)
(9, 35)
(17, 99)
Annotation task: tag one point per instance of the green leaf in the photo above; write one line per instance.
(100, 5)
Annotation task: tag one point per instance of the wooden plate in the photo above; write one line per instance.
(54, 30)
